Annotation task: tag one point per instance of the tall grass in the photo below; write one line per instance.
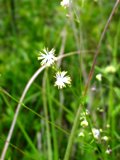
(65, 120)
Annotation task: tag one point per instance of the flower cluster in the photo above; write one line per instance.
(48, 58)
(83, 119)
(94, 134)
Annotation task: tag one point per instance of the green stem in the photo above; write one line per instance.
(47, 118)
(55, 145)
(72, 135)
(110, 117)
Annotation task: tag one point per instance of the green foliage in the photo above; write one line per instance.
(26, 27)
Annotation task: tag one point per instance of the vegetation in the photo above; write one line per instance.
(71, 120)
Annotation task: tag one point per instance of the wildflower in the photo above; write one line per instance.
(84, 113)
(47, 57)
(81, 134)
(108, 151)
(87, 112)
(65, 3)
(84, 123)
(108, 126)
(96, 133)
(110, 69)
(62, 79)
(105, 138)
(99, 77)
(100, 109)
(93, 88)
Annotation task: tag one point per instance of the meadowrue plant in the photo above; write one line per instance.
(90, 134)
(95, 136)
(48, 58)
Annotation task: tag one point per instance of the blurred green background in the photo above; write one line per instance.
(26, 27)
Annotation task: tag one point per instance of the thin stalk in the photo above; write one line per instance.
(54, 136)
(37, 114)
(111, 119)
(61, 94)
(48, 133)
(99, 45)
(76, 120)
(20, 125)
(72, 135)
(78, 44)
(17, 111)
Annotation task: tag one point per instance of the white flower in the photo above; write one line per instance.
(86, 112)
(65, 3)
(81, 134)
(96, 133)
(108, 126)
(99, 77)
(84, 123)
(47, 57)
(105, 138)
(93, 88)
(110, 69)
(61, 79)
(108, 151)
